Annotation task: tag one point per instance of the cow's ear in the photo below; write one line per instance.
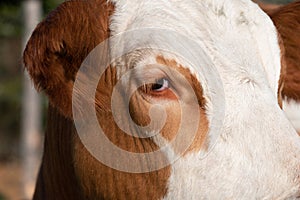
(60, 43)
(287, 22)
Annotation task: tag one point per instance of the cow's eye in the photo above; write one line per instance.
(159, 88)
(160, 85)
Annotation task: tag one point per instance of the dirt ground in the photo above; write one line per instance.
(10, 181)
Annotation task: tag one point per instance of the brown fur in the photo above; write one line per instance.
(98, 180)
(52, 57)
(201, 136)
(287, 22)
(60, 43)
(282, 71)
(57, 178)
(269, 8)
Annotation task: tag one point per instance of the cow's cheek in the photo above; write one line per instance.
(100, 181)
(140, 106)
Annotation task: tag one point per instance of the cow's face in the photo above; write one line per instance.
(199, 84)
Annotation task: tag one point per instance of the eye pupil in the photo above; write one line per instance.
(160, 85)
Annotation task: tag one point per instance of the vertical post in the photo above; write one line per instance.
(31, 109)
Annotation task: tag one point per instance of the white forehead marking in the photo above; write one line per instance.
(239, 37)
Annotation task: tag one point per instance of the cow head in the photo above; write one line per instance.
(197, 83)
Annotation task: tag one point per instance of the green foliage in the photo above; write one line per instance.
(10, 105)
(2, 197)
(10, 52)
(11, 74)
(49, 5)
(11, 16)
(10, 21)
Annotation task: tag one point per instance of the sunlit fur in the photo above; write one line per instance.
(255, 157)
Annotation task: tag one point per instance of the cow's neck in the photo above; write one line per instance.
(56, 176)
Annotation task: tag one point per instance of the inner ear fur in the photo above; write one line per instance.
(60, 43)
(287, 22)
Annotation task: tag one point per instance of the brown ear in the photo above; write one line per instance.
(60, 43)
(287, 22)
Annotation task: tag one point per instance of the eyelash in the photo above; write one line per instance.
(160, 85)
(160, 89)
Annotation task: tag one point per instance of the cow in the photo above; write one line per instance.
(286, 20)
(269, 8)
(242, 145)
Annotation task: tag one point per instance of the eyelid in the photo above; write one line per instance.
(164, 85)
(147, 75)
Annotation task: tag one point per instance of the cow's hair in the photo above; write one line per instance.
(55, 51)
(52, 57)
(60, 43)
(269, 8)
(287, 22)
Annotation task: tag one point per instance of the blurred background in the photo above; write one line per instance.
(22, 111)
(19, 128)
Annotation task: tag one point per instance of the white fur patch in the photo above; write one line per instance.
(292, 110)
(258, 153)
